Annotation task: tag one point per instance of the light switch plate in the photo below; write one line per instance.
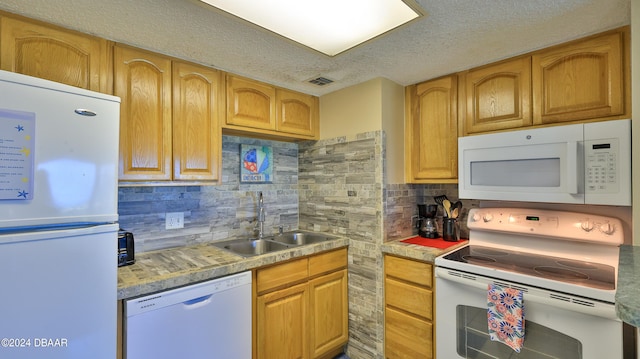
(174, 220)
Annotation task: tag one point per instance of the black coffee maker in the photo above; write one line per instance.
(427, 227)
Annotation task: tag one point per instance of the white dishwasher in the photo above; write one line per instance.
(206, 320)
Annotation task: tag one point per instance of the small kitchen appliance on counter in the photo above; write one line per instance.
(564, 264)
(427, 221)
(126, 248)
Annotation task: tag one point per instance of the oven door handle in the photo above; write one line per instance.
(531, 294)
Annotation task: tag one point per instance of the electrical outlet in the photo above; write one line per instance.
(174, 220)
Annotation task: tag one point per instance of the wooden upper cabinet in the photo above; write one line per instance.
(197, 106)
(581, 80)
(296, 113)
(54, 54)
(257, 108)
(498, 96)
(143, 81)
(250, 103)
(431, 131)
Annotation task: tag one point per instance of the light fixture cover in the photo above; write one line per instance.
(328, 26)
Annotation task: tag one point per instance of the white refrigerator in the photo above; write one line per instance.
(58, 220)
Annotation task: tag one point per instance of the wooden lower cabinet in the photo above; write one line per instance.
(301, 308)
(408, 325)
(329, 312)
(282, 321)
(407, 336)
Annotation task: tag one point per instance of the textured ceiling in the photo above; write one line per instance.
(455, 35)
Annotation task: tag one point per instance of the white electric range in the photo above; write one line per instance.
(565, 264)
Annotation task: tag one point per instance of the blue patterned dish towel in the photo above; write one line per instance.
(505, 314)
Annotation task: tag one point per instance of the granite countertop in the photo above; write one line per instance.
(416, 251)
(628, 292)
(175, 267)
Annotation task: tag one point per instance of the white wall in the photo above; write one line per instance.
(374, 105)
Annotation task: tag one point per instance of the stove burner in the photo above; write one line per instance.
(560, 273)
(489, 252)
(577, 265)
(477, 259)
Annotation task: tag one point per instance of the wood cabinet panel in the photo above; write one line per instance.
(296, 113)
(413, 299)
(197, 106)
(320, 329)
(409, 308)
(498, 97)
(432, 131)
(143, 81)
(282, 321)
(327, 262)
(417, 272)
(329, 326)
(580, 81)
(407, 337)
(54, 54)
(257, 108)
(250, 104)
(280, 275)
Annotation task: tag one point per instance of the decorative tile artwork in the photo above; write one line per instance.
(256, 164)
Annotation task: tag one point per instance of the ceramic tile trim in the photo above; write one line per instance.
(176, 267)
(628, 292)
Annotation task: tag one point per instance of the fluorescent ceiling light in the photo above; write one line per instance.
(328, 26)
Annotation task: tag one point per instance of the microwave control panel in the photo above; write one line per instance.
(607, 162)
(601, 166)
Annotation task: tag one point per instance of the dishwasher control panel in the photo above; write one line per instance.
(187, 295)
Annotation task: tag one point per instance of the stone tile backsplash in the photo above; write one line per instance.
(214, 212)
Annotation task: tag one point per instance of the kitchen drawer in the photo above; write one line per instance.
(409, 270)
(410, 298)
(282, 275)
(327, 262)
(407, 336)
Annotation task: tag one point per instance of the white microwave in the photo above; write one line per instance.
(583, 164)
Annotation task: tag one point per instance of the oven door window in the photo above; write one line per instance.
(540, 342)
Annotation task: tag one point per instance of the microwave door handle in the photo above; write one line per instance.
(572, 167)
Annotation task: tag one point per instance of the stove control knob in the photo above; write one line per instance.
(475, 217)
(586, 225)
(607, 228)
(487, 217)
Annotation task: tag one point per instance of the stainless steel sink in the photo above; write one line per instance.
(251, 247)
(299, 238)
(254, 247)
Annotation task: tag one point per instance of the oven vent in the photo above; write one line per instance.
(576, 301)
(583, 302)
(560, 297)
(462, 275)
(506, 285)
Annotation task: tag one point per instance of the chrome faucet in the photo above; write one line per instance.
(260, 217)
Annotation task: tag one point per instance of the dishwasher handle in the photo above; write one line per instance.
(197, 302)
